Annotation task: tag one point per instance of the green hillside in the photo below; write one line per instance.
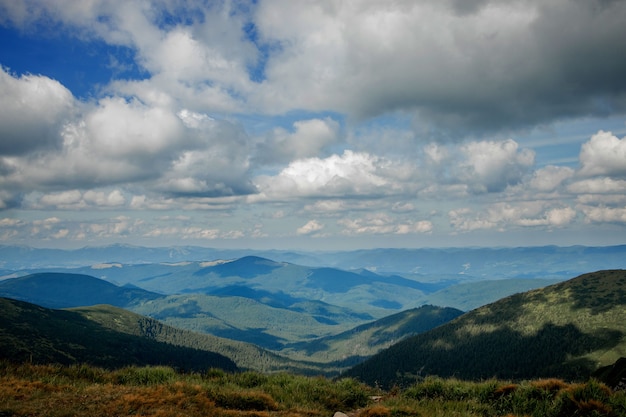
(567, 330)
(351, 347)
(243, 319)
(107, 336)
(467, 296)
(30, 333)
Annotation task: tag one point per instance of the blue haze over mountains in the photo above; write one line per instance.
(485, 263)
(283, 299)
(383, 280)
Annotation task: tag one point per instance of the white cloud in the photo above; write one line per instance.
(465, 69)
(9, 222)
(396, 77)
(504, 216)
(560, 216)
(117, 142)
(132, 130)
(310, 227)
(32, 111)
(102, 199)
(63, 199)
(382, 223)
(603, 154)
(602, 185)
(496, 64)
(308, 138)
(550, 178)
(491, 166)
(604, 214)
(351, 173)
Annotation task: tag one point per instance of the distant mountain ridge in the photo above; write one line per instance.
(567, 330)
(62, 290)
(505, 262)
(282, 284)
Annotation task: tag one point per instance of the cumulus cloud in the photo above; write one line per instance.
(307, 140)
(397, 78)
(32, 111)
(603, 154)
(76, 200)
(496, 65)
(549, 178)
(351, 173)
(459, 69)
(312, 226)
(117, 141)
(604, 214)
(491, 166)
(382, 223)
(603, 185)
(503, 215)
(478, 166)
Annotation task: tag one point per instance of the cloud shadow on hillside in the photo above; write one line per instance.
(502, 353)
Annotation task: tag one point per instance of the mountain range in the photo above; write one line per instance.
(252, 299)
(396, 314)
(568, 330)
(477, 262)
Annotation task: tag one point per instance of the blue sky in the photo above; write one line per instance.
(317, 125)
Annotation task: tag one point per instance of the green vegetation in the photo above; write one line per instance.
(79, 390)
(567, 330)
(467, 296)
(109, 336)
(350, 347)
(30, 332)
(254, 322)
(36, 334)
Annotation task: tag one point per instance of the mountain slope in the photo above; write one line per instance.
(61, 290)
(363, 292)
(36, 334)
(470, 295)
(350, 347)
(110, 337)
(245, 319)
(566, 330)
(233, 317)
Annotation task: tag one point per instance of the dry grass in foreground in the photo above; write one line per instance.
(57, 391)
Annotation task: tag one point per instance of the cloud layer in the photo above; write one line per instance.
(323, 119)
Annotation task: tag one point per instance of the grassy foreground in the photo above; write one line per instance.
(80, 390)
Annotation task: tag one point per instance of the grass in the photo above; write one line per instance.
(78, 390)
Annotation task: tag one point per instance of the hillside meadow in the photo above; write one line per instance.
(81, 390)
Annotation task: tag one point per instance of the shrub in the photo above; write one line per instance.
(438, 388)
(148, 375)
(245, 401)
(250, 379)
(215, 373)
(551, 385)
(376, 411)
(589, 399)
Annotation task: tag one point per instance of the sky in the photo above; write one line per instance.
(317, 125)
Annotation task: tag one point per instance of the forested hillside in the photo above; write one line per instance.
(566, 330)
(111, 337)
(353, 346)
(35, 334)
